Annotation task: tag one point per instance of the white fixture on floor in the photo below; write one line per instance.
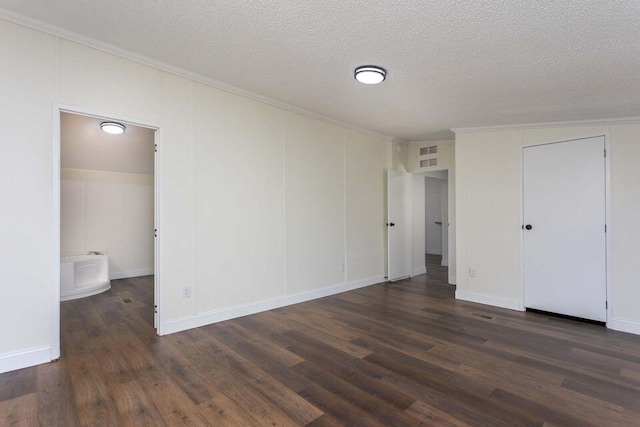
(83, 275)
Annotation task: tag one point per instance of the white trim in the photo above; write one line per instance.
(444, 262)
(608, 121)
(608, 225)
(209, 317)
(418, 271)
(622, 325)
(55, 253)
(521, 207)
(480, 298)
(168, 68)
(158, 200)
(25, 358)
(130, 273)
(451, 195)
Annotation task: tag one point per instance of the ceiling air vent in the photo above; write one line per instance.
(424, 151)
(428, 162)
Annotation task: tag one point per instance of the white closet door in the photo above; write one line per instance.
(564, 228)
(399, 224)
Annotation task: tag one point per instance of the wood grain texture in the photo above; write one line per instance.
(404, 353)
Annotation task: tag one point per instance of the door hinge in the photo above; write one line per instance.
(155, 148)
(605, 228)
(606, 304)
(155, 232)
(605, 152)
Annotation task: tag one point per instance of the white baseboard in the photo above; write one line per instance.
(418, 271)
(115, 275)
(24, 358)
(452, 280)
(511, 304)
(207, 318)
(624, 326)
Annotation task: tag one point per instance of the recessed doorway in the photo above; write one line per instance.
(105, 181)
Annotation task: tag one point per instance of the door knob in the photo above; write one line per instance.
(528, 226)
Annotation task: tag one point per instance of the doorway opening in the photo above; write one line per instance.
(432, 233)
(106, 215)
(436, 223)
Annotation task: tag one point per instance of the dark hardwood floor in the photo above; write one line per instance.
(394, 354)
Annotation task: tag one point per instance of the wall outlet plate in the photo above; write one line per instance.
(186, 292)
(472, 272)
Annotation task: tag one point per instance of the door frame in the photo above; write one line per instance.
(158, 174)
(607, 189)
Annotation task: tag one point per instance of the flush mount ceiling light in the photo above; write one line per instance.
(112, 127)
(370, 74)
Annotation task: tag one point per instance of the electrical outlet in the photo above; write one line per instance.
(341, 266)
(472, 272)
(186, 292)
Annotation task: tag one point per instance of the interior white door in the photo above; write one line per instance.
(399, 224)
(564, 228)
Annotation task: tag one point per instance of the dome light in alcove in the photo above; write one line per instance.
(112, 127)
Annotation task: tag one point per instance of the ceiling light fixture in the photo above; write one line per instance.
(112, 127)
(370, 74)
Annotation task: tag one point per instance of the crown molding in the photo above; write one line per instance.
(434, 142)
(71, 36)
(398, 140)
(615, 120)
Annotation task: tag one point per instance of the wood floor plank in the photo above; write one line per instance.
(338, 408)
(19, 411)
(56, 403)
(296, 408)
(135, 406)
(434, 416)
(347, 368)
(401, 353)
(360, 397)
(92, 394)
(18, 383)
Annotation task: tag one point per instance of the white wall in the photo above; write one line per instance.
(433, 212)
(110, 212)
(27, 88)
(259, 204)
(488, 200)
(365, 179)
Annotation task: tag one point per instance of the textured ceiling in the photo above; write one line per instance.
(456, 63)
